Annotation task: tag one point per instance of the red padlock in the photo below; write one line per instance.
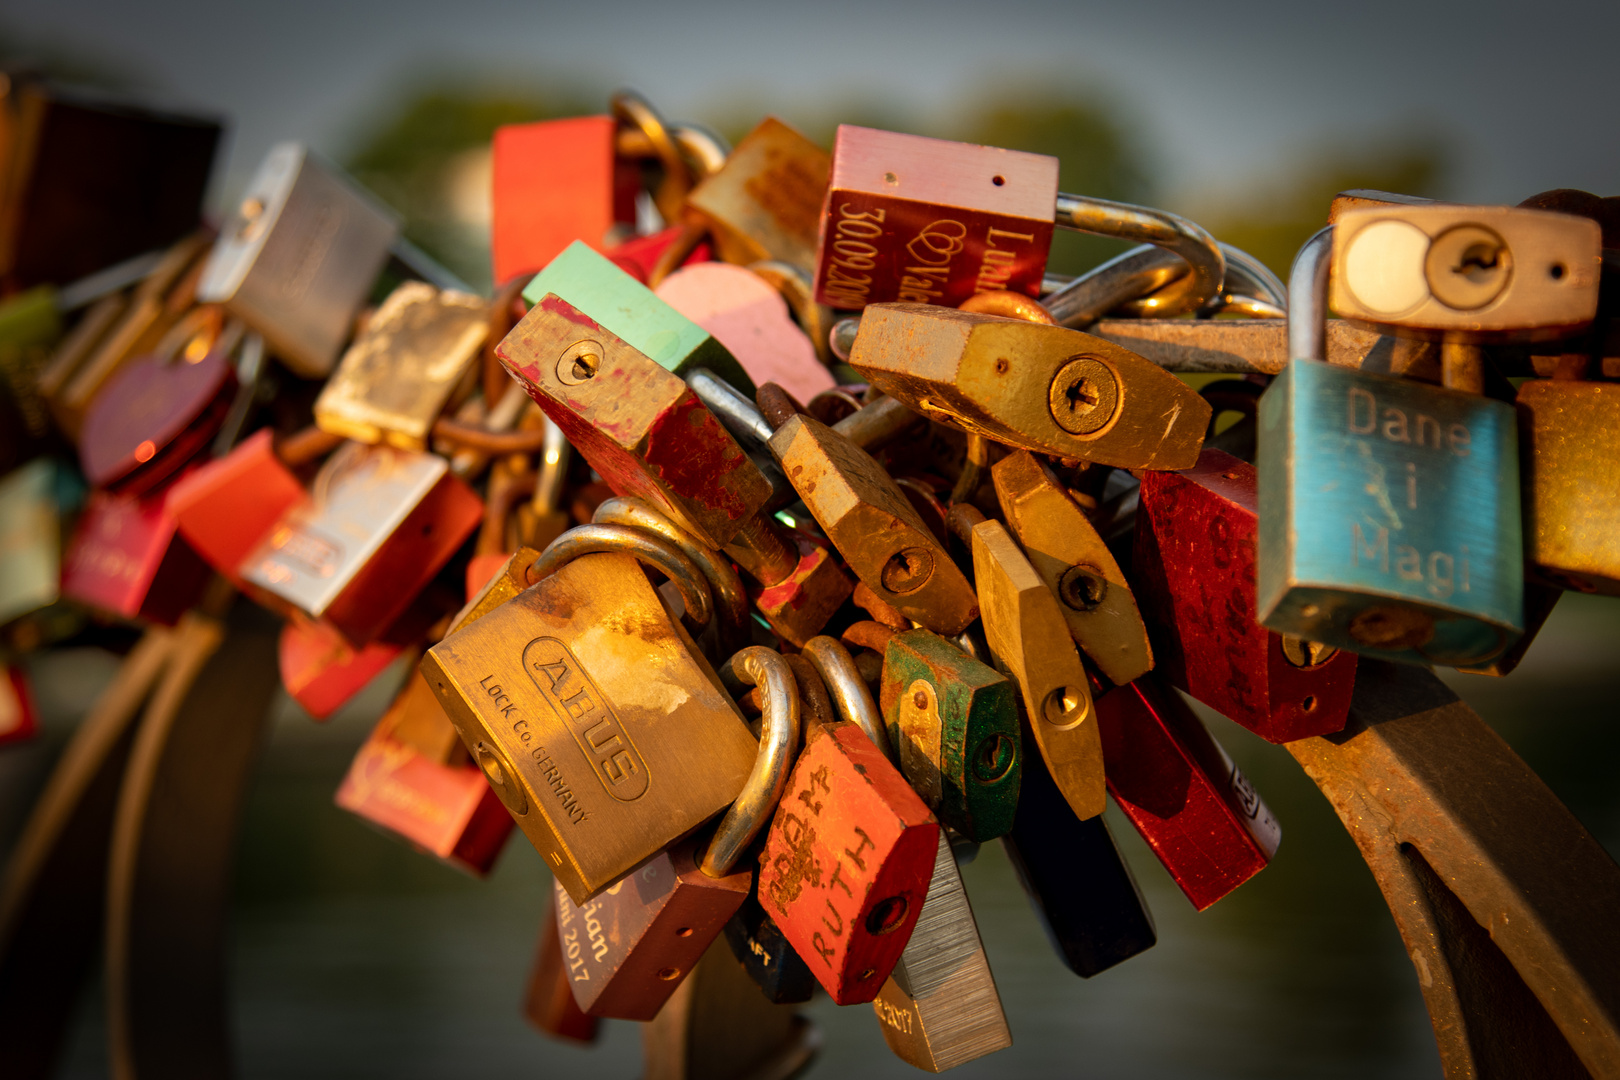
(640, 254)
(1193, 567)
(555, 182)
(1192, 805)
(226, 507)
(847, 863)
(127, 557)
(321, 670)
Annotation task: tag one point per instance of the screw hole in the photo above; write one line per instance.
(890, 178)
(1309, 704)
(867, 974)
(685, 931)
(998, 180)
(669, 974)
(1002, 366)
(1556, 271)
(886, 917)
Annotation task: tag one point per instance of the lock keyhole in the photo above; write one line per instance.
(1478, 263)
(907, 570)
(579, 363)
(1468, 267)
(994, 758)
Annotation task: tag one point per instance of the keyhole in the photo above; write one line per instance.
(994, 758)
(1478, 263)
(579, 363)
(907, 570)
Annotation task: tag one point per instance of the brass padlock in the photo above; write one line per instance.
(638, 425)
(393, 382)
(873, 525)
(1066, 551)
(604, 732)
(639, 939)
(299, 256)
(1029, 641)
(1044, 388)
(765, 201)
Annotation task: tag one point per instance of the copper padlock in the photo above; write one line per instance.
(847, 861)
(629, 948)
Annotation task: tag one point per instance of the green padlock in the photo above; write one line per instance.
(1389, 510)
(592, 283)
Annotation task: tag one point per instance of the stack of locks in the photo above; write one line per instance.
(763, 566)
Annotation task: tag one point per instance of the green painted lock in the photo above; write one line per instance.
(955, 723)
(592, 283)
(1389, 510)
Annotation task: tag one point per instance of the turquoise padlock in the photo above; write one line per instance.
(612, 298)
(1389, 509)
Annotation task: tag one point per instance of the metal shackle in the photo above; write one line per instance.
(778, 739)
(1308, 296)
(725, 587)
(652, 550)
(1206, 263)
(849, 691)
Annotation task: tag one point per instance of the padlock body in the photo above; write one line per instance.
(798, 607)
(321, 670)
(127, 557)
(956, 733)
(30, 539)
(628, 949)
(19, 720)
(765, 202)
(1570, 433)
(380, 524)
(1192, 805)
(591, 283)
(589, 711)
(393, 382)
(299, 257)
(639, 426)
(1389, 517)
(226, 507)
(847, 862)
(549, 1003)
(931, 222)
(447, 811)
(767, 956)
(556, 182)
(1195, 547)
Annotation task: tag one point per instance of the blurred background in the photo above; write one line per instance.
(354, 957)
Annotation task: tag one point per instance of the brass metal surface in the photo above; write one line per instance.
(1030, 642)
(1066, 551)
(1044, 388)
(586, 705)
(652, 550)
(394, 380)
(1570, 458)
(873, 525)
(765, 202)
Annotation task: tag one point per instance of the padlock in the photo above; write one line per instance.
(585, 703)
(940, 1008)
(299, 256)
(1065, 550)
(903, 217)
(643, 256)
(557, 182)
(378, 525)
(1081, 890)
(322, 671)
(393, 382)
(748, 316)
(1466, 273)
(1389, 510)
(1044, 388)
(19, 720)
(161, 411)
(1192, 805)
(767, 956)
(127, 558)
(639, 426)
(548, 1002)
(1569, 438)
(1029, 642)
(1194, 566)
(953, 723)
(64, 220)
(30, 538)
(225, 507)
(411, 778)
(849, 856)
(930, 221)
(642, 936)
(873, 525)
(611, 299)
(765, 201)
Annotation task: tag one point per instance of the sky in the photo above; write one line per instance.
(1225, 97)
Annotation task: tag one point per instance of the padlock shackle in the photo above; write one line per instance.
(778, 739)
(644, 547)
(1307, 297)
(1129, 284)
(731, 599)
(849, 691)
(1186, 238)
(635, 111)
